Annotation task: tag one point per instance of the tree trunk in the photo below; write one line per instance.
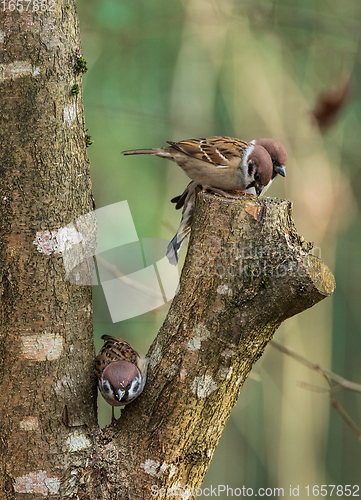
(47, 396)
(246, 271)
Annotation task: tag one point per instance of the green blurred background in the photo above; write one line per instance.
(170, 70)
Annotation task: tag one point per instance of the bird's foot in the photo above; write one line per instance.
(237, 196)
(114, 420)
(244, 193)
(217, 191)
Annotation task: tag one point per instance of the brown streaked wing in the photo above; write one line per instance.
(114, 350)
(101, 361)
(215, 150)
(230, 147)
(190, 147)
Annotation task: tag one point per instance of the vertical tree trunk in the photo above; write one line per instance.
(47, 398)
(246, 271)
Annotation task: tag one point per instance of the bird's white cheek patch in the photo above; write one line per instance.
(37, 482)
(77, 442)
(203, 386)
(29, 424)
(42, 347)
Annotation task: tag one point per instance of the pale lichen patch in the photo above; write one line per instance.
(182, 374)
(225, 373)
(16, 70)
(29, 424)
(150, 467)
(77, 441)
(65, 383)
(224, 290)
(48, 242)
(45, 242)
(37, 483)
(156, 357)
(172, 470)
(69, 114)
(173, 369)
(42, 347)
(162, 469)
(193, 344)
(203, 386)
(88, 310)
(154, 468)
(201, 331)
(227, 353)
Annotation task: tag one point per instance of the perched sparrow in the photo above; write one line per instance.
(121, 372)
(219, 163)
(278, 154)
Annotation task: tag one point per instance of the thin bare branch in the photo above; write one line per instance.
(344, 383)
(328, 375)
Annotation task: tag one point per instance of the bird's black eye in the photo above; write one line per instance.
(257, 177)
(106, 387)
(136, 386)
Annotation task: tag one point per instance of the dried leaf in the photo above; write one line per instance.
(329, 105)
(258, 213)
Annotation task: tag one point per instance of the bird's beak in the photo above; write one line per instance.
(258, 188)
(119, 394)
(281, 169)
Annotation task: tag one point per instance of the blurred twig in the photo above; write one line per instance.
(128, 281)
(341, 382)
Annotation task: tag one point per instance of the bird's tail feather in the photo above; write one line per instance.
(175, 245)
(141, 152)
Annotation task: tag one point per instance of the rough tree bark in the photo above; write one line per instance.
(46, 354)
(246, 271)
